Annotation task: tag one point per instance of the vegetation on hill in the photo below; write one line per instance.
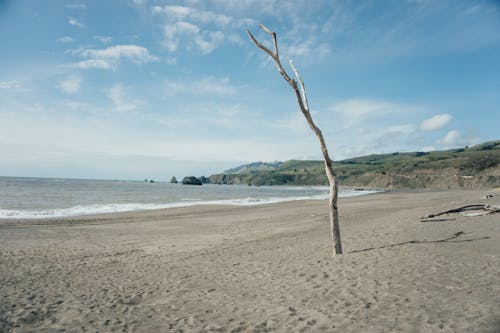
(469, 167)
(254, 167)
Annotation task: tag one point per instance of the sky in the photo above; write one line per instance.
(135, 89)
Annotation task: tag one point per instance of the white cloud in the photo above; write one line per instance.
(74, 22)
(9, 85)
(109, 58)
(362, 126)
(202, 16)
(191, 36)
(134, 53)
(389, 137)
(436, 122)
(70, 85)
(404, 129)
(190, 28)
(92, 63)
(174, 33)
(451, 138)
(65, 39)
(355, 111)
(305, 49)
(104, 39)
(454, 138)
(428, 148)
(360, 107)
(210, 41)
(208, 85)
(117, 95)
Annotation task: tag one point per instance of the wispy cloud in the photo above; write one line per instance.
(190, 36)
(104, 39)
(66, 39)
(75, 22)
(92, 63)
(436, 122)
(413, 27)
(110, 57)
(134, 53)
(70, 85)
(357, 108)
(117, 95)
(354, 111)
(293, 122)
(456, 138)
(10, 85)
(173, 34)
(184, 13)
(194, 29)
(364, 126)
(208, 85)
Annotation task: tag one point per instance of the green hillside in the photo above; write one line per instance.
(469, 167)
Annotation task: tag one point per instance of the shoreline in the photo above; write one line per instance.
(257, 269)
(111, 208)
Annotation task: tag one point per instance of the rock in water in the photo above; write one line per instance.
(173, 180)
(191, 180)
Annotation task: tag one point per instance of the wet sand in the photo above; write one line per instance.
(257, 269)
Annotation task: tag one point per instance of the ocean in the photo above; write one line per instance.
(37, 198)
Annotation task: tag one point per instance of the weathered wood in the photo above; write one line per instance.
(301, 96)
(487, 209)
(437, 220)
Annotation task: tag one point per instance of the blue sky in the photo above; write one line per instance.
(133, 89)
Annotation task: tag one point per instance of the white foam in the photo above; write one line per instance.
(129, 207)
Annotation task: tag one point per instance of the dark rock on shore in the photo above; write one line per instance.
(191, 180)
(173, 180)
(204, 180)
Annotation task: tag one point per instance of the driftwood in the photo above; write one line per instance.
(304, 108)
(437, 220)
(484, 209)
(450, 239)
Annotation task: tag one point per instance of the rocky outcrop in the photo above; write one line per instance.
(204, 180)
(173, 180)
(191, 180)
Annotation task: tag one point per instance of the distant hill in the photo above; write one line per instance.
(254, 167)
(469, 167)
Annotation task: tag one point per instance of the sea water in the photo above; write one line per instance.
(35, 198)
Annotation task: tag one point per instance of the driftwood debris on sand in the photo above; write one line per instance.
(482, 209)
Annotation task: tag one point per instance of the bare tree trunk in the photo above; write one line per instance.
(304, 108)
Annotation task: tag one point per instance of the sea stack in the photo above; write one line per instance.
(173, 180)
(191, 180)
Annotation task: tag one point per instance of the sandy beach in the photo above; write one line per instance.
(257, 269)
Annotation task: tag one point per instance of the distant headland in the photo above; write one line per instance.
(468, 167)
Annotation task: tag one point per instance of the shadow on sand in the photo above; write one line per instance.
(451, 239)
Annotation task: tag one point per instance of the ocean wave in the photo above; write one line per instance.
(130, 207)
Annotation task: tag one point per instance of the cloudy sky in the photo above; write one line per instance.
(133, 89)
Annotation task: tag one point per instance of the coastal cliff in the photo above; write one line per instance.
(470, 167)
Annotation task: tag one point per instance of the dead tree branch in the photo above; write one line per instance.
(484, 208)
(304, 108)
